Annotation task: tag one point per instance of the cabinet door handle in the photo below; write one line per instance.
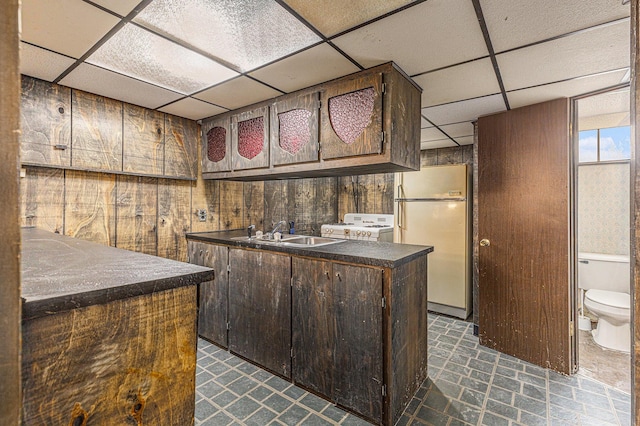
(338, 275)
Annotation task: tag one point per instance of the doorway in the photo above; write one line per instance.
(601, 209)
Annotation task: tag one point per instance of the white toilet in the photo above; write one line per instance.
(606, 278)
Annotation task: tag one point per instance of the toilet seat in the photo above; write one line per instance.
(613, 299)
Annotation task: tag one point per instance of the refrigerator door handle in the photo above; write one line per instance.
(400, 214)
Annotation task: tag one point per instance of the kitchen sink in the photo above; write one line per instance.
(293, 240)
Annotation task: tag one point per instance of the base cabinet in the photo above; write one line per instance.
(337, 333)
(212, 295)
(260, 308)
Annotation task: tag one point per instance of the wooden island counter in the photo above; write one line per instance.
(108, 335)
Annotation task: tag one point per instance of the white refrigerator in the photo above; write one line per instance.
(433, 207)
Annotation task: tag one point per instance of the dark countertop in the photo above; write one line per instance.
(389, 255)
(60, 273)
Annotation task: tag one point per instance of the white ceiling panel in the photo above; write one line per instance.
(605, 103)
(238, 92)
(442, 143)
(41, 63)
(465, 140)
(70, 27)
(431, 134)
(424, 123)
(424, 37)
(121, 7)
(192, 108)
(138, 53)
(112, 85)
(468, 110)
(458, 130)
(516, 23)
(598, 50)
(245, 33)
(566, 89)
(470, 80)
(316, 65)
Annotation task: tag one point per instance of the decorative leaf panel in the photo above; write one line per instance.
(351, 113)
(294, 129)
(216, 144)
(251, 137)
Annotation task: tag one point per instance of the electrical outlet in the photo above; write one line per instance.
(202, 215)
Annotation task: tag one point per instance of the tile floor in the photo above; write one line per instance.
(607, 366)
(467, 384)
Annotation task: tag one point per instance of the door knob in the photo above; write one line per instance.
(485, 243)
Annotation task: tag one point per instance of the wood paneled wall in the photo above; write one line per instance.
(635, 210)
(152, 214)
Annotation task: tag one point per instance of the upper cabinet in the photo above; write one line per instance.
(45, 121)
(71, 129)
(216, 146)
(294, 129)
(250, 139)
(368, 122)
(352, 117)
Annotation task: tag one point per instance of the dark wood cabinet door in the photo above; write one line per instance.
(260, 308)
(212, 295)
(143, 140)
(358, 354)
(250, 139)
(181, 145)
(216, 145)
(313, 325)
(97, 132)
(294, 129)
(351, 122)
(45, 122)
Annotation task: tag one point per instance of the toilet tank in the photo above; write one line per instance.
(604, 272)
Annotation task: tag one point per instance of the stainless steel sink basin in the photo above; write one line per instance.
(294, 241)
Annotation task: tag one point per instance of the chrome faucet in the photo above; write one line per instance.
(275, 229)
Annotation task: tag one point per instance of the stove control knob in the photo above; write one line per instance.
(330, 230)
(368, 233)
(357, 232)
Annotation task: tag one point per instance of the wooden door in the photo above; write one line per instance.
(294, 129)
(351, 123)
(260, 308)
(216, 144)
(212, 295)
(45, 123)
(358, 355)
(250, 139)
(313, 325)
(525, 308)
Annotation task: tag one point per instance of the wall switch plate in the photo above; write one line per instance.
(23, 172)
(202, 215)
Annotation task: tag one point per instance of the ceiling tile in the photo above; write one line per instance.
(465, 140)
(566, 89)
(245, 33)
(121, 7)
(442, 143)
(470, 80)
(589, 52)
(41, 63)
(333, 16)
(316, 65)
(468, 110)
(237, 93)
(516, 23)
(424, 123)
(192, 108)
(431, 134)
(106, 83)
(138, 53)
(616, 101)
(424, 37)
(458, 130)
(70, 27)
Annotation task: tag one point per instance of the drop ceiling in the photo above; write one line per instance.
(199, 58)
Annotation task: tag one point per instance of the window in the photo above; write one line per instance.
(611, 144)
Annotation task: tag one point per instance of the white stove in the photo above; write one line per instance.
(360, 226)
